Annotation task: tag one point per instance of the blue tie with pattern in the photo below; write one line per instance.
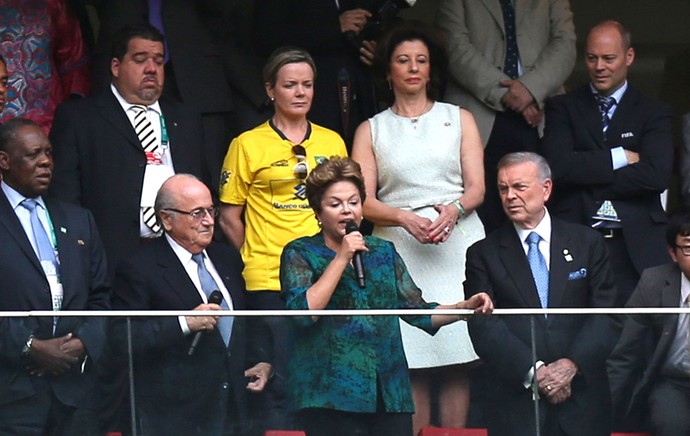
(605, 104)
(209, 285)
(45, 248)
(540, 272)
(510, 66)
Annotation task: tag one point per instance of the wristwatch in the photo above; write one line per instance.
(27, 346)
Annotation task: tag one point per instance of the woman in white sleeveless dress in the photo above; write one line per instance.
(422, 162)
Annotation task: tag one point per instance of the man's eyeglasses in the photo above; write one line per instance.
(301, 169)
(196, 214)
(685, 249)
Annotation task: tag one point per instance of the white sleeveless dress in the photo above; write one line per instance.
(418, 165)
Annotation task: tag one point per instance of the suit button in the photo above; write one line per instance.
(46, 290)
(224, 386)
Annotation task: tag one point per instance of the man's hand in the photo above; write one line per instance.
(366, 52)
(631, 156)
(54, 356)
(554, 379)
(532, 115)
(203, 323)
(518, 96)
(354, 20)
(259, 375)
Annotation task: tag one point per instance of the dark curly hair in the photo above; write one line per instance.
(411, 31)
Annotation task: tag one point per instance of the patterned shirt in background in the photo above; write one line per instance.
(46, 58)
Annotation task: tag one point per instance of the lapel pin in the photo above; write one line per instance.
(63, 230)
(80, 242)
(567, 256)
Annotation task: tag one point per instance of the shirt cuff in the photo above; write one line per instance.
(618, 158)
(183, 325)
(527, 383)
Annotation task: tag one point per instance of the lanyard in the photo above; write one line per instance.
(164, 133)
(53, 240)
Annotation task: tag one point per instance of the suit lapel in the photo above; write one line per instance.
(622, 116)
(515, 261)
(494, 8)
(558, 268)
(175, 275)
(670, 297)
(587, 106)
(521, 9)
(113, 113)
(66, 246)
(9, 220)
(227, 275)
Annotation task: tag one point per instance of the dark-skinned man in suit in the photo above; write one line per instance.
(51, 258)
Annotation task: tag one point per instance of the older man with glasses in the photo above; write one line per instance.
(189, 371)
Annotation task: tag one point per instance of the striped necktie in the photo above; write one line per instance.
(149, 142)
(605, 104)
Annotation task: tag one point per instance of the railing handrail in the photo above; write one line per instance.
(342, 312)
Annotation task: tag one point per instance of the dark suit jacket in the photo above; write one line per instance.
(24, 286)
(635, 362)
(580, 159)
(206, 58)
(579, 277)
(99, 163)
(314, 25)
(176, 393)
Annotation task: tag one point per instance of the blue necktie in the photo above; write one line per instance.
(208, 285)
(605, 104)
(540, 272)
(46, 252)
(510, 66)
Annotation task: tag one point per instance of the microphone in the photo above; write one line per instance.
(357, 258)
(215, 298)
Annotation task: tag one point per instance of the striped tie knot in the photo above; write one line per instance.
(144, 129)
(605, 104)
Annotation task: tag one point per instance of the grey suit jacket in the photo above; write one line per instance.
(635, 362)
(476, 40)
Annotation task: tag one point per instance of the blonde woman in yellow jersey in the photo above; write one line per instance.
(263, 198)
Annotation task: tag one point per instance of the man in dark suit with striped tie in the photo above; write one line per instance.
(114, 150)
(611, 151)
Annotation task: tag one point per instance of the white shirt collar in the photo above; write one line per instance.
(543, 229)
(15, 198)
(182, 253)
(617, 94)
(127, 105)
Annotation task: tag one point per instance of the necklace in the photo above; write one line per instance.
(414, 118)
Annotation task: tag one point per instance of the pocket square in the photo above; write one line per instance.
(579, 274)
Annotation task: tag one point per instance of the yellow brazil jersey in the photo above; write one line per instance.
(258, 172)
